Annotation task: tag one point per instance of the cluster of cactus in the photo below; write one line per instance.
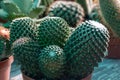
(27, 35)
(71, 11)
(11, 9)
(58, 52)
(85, 48)
(111, 12)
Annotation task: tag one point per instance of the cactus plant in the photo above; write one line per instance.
(22, 27)
(85, 48)
(51, 61)
(72, 12)
(86, 4)
(5, 51)
(26, 53)
(53, 31)
(111, 12)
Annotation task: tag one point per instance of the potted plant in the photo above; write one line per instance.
(51, 51)
(6, 57)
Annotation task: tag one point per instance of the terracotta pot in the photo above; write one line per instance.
(28, 78)
(5, 67)
(3, 21)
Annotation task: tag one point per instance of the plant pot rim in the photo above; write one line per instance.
(6, 62)
(25, 77)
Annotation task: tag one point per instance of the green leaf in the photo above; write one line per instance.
(37, 11)
(10, 7)
(24, 5)
(3, 14)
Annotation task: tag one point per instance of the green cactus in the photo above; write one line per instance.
(51, 61)
(53, 31)
(111, 12)
(2, 46)
(22, 27)
(71, 11)
(85, 48)
(26, 53)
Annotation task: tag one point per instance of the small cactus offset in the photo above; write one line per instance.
(111, 12)
(85, 48)
(2, 46)
(53, 31)
(71, 11)
(22, 27)
(51, 61)
(26, 53)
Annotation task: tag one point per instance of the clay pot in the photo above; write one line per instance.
(89, 77)
(5, 67)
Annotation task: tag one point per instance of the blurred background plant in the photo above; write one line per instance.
(11, 9)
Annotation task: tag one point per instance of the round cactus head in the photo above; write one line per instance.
(22, 27)
(26, 53)
(71, 11)
(51, 61)
(85, 48)
(111, 12)
(53, 31)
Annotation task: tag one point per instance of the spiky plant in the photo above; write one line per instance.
(85, 48)
(51, 61)
(22, 27)
(53, 31)
(111, 12)
(26, 53)
(5, 48)
(71, 11)
(2, 50)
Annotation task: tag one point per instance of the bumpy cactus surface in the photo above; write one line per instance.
(22, 27)
(26, 52)
(51, 61)
(53, 31)
(1, 49)
(72, 12)
(111, 12)
(85, 48)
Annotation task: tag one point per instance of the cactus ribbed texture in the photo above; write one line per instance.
(85, 48)
(26, 53)
(53, 31)
(51, 61)
(22, 27)
(71, 11)
(1, 49)
(111, 12)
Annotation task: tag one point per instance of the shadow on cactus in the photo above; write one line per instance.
(71, 11)
(85, 48)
